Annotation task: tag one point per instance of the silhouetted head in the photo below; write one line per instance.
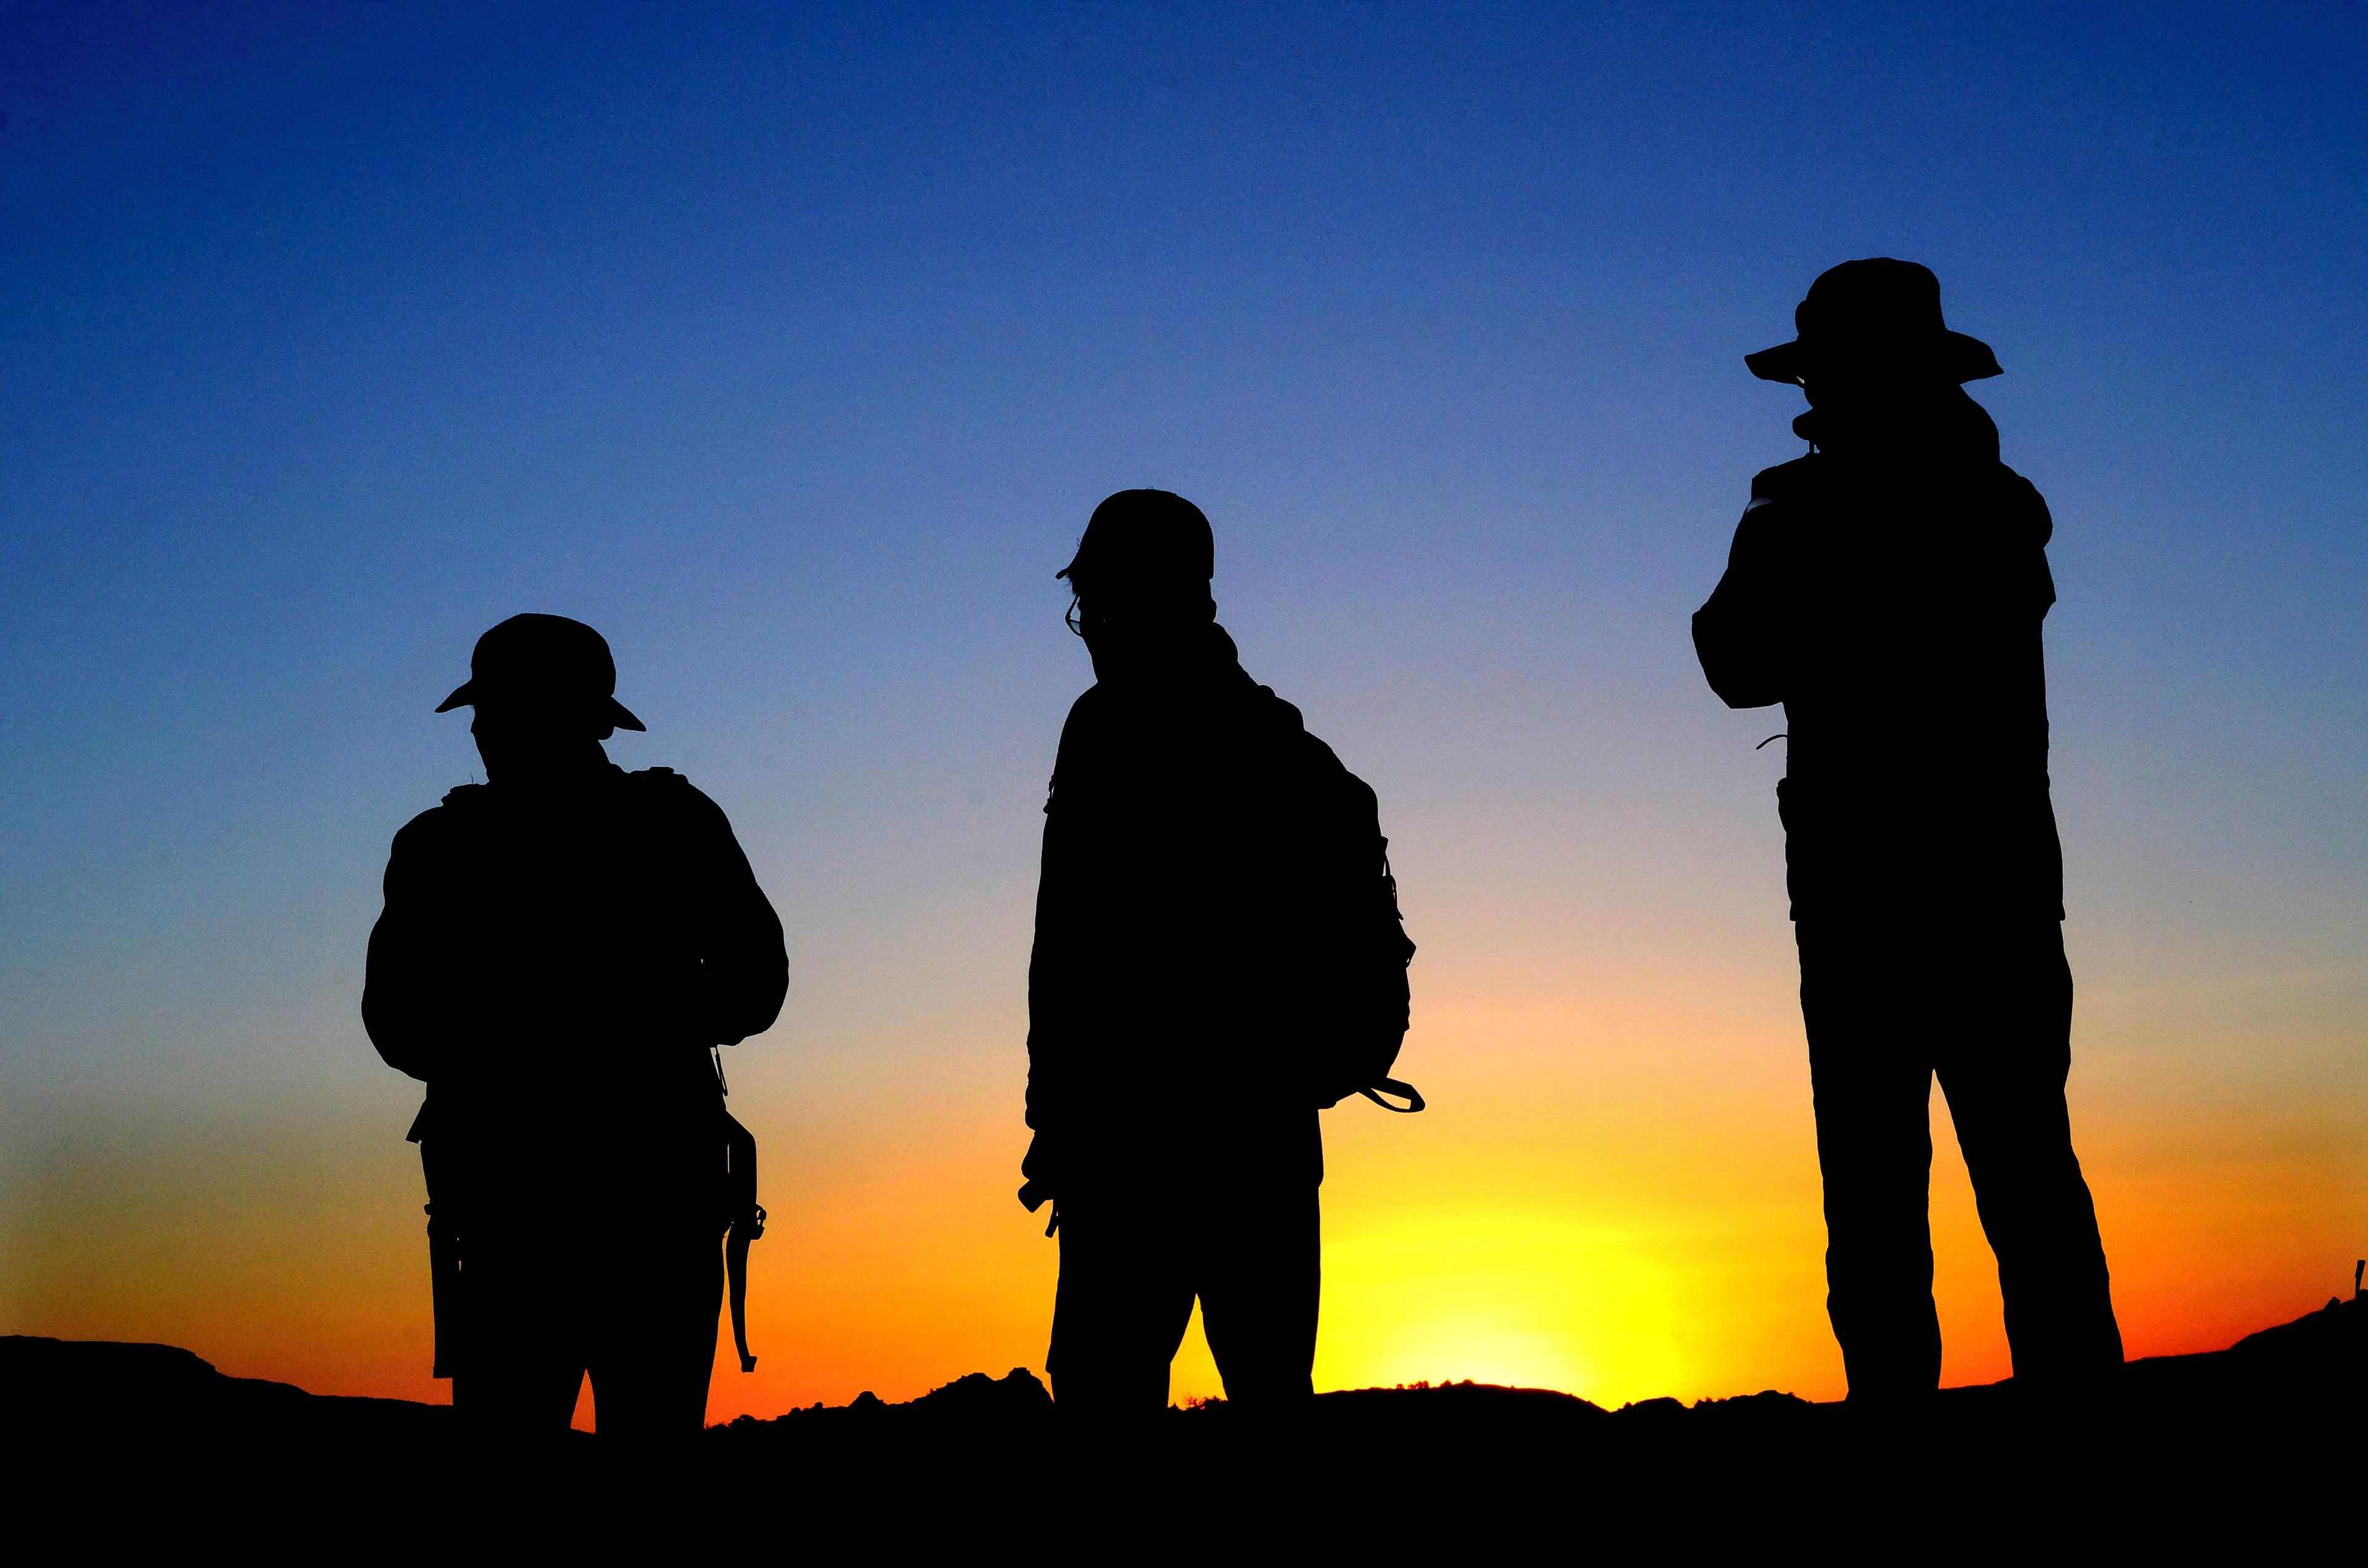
(545, 690)
(1141, 576)
(1873, 330)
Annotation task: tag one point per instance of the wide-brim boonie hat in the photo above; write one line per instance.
(1875, 312)
(544, 661)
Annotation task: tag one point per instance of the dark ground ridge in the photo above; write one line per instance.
(62, 1385)
(2268, 1428)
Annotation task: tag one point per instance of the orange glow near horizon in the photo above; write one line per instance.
(793, 347)
(1639, 1220)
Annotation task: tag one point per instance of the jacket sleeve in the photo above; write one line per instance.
(744, 964)
(1739, 634)
(1055, 960)
(408, 1006)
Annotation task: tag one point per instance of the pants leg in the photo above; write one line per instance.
(1873, 1086)
(660, 1287)
(1122, 1304)
(526, 1348)
(1260, 1282)
(2004, 1075)
(519, 1398)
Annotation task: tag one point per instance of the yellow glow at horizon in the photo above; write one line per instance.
(1606, 1198)
(1529, 1298)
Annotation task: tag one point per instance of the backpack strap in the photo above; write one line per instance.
(1395, 1086)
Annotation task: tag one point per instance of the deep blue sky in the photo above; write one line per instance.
(792, 345)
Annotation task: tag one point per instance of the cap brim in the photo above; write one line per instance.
(619, 716)
(1970, 358)
(1961, 359)
(1782, 363)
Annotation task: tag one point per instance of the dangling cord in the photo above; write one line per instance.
(715, 1053)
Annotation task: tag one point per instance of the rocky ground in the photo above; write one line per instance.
(2258, 1442)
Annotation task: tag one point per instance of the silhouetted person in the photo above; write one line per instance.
(1888, 590)
(561, 948)
(1218, 954)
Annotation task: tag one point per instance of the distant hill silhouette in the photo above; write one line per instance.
(2270, 1425)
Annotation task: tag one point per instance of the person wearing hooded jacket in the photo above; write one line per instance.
(1212, 964)
(1888, 589)
(561, 948)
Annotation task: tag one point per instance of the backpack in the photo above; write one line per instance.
(1368, 961)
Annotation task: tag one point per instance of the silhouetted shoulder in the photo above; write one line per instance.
(428, 833)
(1787, 481)
(1345, 796)
(427, 870)
(2023, 498)
(1322, 757)
(1086, 712)
(1741, 632)
(1316, 753)
(674, 805)
(1283, 714)
(671, 789)
(1078, 733)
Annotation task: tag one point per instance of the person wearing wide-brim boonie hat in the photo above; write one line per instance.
(1874, 317)
(563, 945)
(1888, 589)
(544, 661)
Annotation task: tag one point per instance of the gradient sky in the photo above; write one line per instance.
(791, 347)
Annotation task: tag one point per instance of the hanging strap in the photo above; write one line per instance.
(1405, 1091)
(736, 1267)
(748, 1224)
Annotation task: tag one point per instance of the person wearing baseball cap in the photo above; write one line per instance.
(1888, 589)
(562, 948)
(1218, 956)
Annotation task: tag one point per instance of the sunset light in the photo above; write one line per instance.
(791, 348)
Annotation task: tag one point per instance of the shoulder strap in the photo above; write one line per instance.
(1396, 1086)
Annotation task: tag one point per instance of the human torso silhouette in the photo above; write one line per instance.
(1186, 924)
(555, 962)
(1891, 598)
